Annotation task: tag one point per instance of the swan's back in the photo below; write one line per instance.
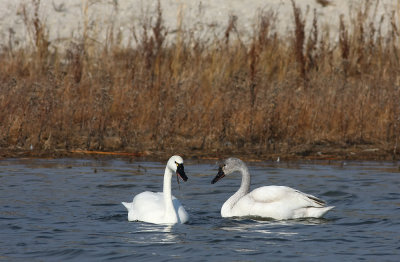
(279, 202)
(146, 206)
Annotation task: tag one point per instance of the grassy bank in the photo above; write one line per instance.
(274, 94)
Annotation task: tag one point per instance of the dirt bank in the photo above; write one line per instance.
(316, 152)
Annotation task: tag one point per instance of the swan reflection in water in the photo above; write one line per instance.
(153, 234)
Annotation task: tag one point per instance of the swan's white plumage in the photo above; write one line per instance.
(277, 202)
(149, 207)
(159, 207)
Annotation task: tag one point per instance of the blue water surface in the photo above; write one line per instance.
(70, 210)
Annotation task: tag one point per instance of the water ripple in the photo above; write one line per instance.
(122, 186)
(57, 210)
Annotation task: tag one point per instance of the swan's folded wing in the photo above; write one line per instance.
(287, 195)
(316, 202)
(183, 216)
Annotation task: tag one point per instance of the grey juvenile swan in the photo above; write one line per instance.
(277, 202)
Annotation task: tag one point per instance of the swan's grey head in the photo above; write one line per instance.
(175, 163)
(228, 166)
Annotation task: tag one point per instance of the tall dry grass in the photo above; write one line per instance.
(272, 94)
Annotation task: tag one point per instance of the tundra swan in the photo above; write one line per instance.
(277, 202)
(160, 207)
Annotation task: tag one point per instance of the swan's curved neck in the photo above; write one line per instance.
(242, 191)
(169, 207)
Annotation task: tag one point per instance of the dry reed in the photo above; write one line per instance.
(271, 95)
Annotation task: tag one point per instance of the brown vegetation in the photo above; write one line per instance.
(273, 94)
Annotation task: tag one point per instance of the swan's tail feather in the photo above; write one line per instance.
(318, 211)
(127, 205)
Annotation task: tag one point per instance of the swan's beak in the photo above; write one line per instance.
(180, 171)
(220, 175)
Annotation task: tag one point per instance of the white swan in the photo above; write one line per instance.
(277, 202)
(160, 207)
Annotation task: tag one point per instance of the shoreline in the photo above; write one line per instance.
(305, 153)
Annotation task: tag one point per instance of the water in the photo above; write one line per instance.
(69, 210)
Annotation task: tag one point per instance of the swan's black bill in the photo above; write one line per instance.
(180, 171)
(220, 175)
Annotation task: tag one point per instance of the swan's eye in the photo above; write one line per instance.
(176, 164)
